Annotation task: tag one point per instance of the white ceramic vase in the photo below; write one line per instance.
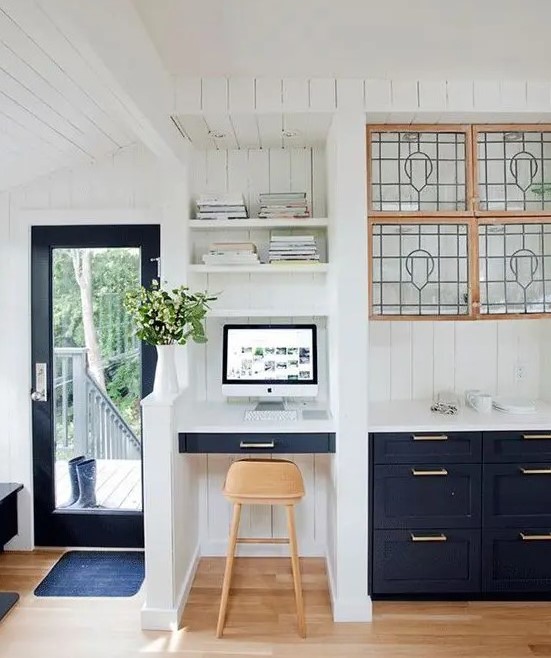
(166, 380)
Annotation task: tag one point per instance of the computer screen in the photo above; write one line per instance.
(270, 359)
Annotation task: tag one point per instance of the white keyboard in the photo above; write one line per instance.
(271, 414)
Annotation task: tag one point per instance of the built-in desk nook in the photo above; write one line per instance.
(460, 505)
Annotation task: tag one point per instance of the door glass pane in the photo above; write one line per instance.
(97, 380)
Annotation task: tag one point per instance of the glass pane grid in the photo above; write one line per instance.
(420, 269)
(515, 273)
(418, 171)
(514, 170)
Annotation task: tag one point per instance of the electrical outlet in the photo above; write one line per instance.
(520, 372)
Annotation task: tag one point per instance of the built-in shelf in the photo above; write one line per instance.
(263, 268)
(267, 312)
(269, 224)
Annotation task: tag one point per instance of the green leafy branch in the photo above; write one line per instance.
(164, 317)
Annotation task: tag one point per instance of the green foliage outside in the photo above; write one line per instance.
(114, 273)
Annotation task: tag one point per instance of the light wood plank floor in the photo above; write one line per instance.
(260, 621)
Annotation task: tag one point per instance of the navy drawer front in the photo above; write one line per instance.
(427, 496)
(427, 448)
(265, 442)
(517, 494)
(503, 447)
(439, 561)
(515, 564)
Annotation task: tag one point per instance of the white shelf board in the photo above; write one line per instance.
(269, 224)
(263, 268)
(267, 312)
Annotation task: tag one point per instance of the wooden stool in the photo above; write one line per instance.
(263, 482)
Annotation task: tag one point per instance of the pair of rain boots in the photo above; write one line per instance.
(82, 476)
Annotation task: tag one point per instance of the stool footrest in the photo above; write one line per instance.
(262, 540)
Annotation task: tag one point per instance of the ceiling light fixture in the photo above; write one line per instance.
(216, 134)
(288, 132)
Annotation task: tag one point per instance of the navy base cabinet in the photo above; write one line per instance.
(462, 514)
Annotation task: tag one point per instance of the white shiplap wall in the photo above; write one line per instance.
(415, 360)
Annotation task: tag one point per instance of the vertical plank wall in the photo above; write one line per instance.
(415, 360)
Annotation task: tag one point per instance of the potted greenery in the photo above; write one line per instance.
(166, 318)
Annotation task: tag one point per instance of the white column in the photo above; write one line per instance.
(348, 332)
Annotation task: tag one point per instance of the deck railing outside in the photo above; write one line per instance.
(86, 420)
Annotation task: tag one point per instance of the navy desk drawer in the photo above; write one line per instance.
(514, 446)
(294, 443)
(426, 561)
(427, 496)
(517, 495)
(517, 560)
(427, 447)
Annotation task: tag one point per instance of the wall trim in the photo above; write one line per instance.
(188, 582)
(347, 610)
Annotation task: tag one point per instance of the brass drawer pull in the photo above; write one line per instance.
(439, 471)
(536, 436)
(526, 537)
(268, 444)
(535, 471)
(418, 538)
(431, 437)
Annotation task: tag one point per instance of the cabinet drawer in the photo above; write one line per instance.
(517, 495)
(8, 519)
(517, 560)
(516, 446)
(426, 561)
(427, 448)
(265, 442)
(427, 496)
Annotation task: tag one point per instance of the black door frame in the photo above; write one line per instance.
(67, 527)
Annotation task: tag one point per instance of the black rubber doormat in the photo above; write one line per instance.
(94, 573)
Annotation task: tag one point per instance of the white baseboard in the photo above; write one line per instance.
(155, 619)
(347, 610)
(219, 548)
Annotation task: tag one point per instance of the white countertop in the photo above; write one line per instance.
(228, 417)
(416, 416)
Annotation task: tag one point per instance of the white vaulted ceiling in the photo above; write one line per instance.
(54, 110)
(402, 39)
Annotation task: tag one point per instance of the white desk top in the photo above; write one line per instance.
(227, 417)
(416, 416)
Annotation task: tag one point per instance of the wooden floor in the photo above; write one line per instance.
(119, 483)
(260, 621)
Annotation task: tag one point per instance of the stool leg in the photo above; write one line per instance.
(296, 570)
(229, 567)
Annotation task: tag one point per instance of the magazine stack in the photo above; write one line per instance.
(283, 205)
(231, 253)
(221, 206)
(293, 249)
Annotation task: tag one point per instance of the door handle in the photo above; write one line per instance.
(536, 436)
(40, 393)
(535, 471)
(526, 537)
(427, 538)
(438, 471)
(268, 444)
(431, 437)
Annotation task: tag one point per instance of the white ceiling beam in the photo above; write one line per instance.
(110, 37)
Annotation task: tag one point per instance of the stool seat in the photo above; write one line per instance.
(263, 482)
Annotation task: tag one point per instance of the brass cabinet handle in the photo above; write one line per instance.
(431, 437)
(268, 444)
(526, 537)
(440, 537)
(535, 471)
(438, 471)
(536, 436)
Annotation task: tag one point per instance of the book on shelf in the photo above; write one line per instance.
(221, 199)
(221, 215)
(233, 246)
(229, 259)
(293, 248)
(221, 206)
(283, 205)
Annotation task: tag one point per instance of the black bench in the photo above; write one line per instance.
(8, 530)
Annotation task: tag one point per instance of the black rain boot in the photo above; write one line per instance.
(87, 472)
(73, 479)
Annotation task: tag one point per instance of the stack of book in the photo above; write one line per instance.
(221, 206)
(293, 249)
(283, 205)
(231, 253)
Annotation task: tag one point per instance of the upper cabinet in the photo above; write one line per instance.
(459, 221)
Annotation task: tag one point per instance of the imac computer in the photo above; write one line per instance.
(270, 362)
